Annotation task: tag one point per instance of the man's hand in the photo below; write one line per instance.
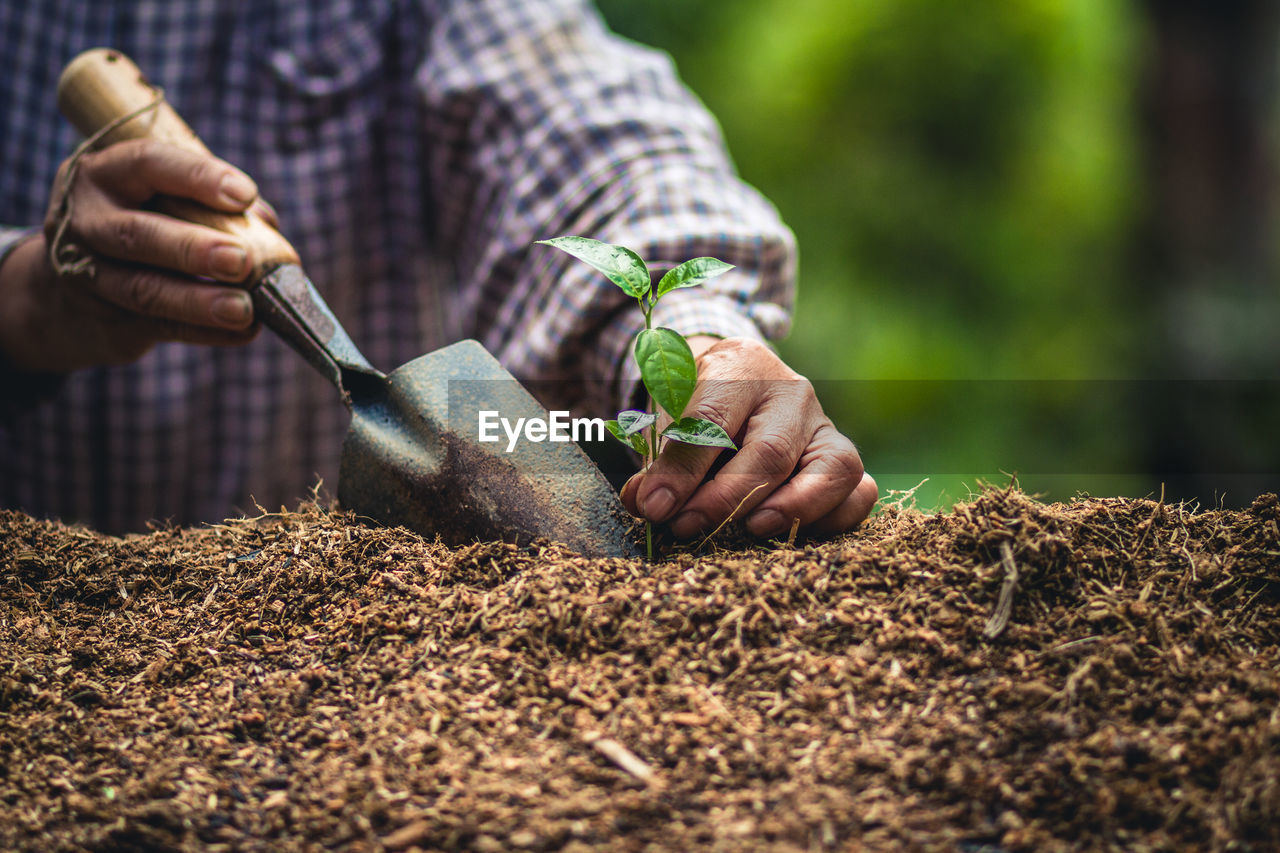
(156, 276)
(789, 451)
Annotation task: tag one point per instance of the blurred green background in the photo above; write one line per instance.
(978, 197)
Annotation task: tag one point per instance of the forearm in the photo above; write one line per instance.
(19, 261)
(24, 378)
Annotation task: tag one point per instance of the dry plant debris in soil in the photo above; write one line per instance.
(303, 681)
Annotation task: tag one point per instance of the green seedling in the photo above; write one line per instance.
(666, 363)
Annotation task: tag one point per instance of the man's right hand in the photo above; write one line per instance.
(156, 278)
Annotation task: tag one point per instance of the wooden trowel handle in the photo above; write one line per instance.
(101, 86)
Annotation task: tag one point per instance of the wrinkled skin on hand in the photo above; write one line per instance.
(790, 454)
(156, 278)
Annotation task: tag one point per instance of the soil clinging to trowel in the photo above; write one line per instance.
(1012, 675)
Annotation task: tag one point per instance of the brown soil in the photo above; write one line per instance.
(302, 681)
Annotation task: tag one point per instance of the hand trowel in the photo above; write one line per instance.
(413, 454)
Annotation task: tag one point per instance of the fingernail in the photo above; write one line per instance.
(233, 309)
(228, 262)
(659, 504)
(237, 189)
(688, 523)
(766, 522)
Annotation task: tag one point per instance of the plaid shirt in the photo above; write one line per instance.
(414, 150)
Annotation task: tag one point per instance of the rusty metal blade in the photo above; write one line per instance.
(413, 457)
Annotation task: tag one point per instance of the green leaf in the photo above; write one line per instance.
(635, 441)
(691, 274)
(620, 265)
(632, 421)
(699, 431)
(667, 368)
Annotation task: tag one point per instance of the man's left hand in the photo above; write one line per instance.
(792, 463)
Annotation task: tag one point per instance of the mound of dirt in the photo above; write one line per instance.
(1008, 676)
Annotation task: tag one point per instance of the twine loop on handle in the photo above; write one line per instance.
(67, 258)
